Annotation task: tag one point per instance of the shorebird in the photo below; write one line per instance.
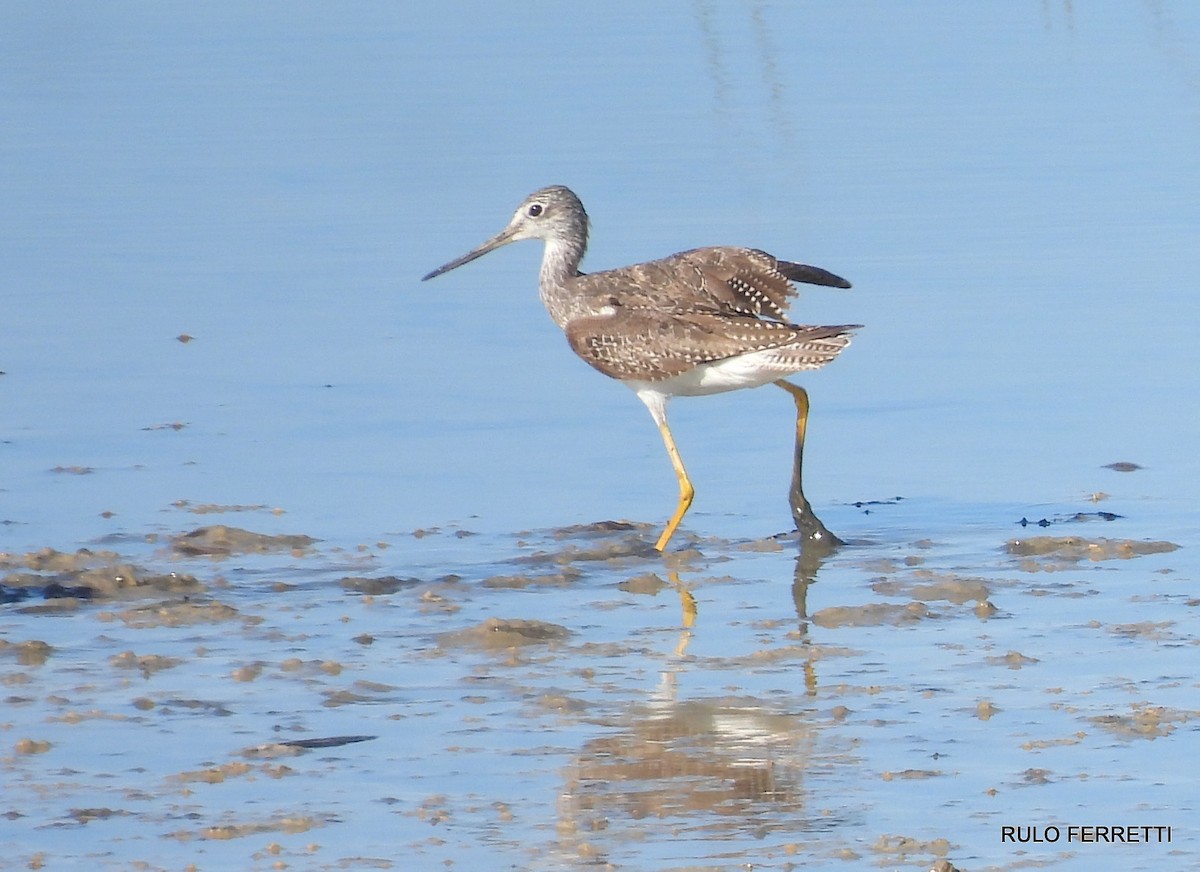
(698, 322)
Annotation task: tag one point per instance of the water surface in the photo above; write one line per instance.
(1009, 187)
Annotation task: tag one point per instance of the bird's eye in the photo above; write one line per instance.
(535, 210)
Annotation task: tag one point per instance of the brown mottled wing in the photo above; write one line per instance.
(742, 280)
(652, 344)
(737, 281)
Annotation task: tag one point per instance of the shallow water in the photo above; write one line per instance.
(557, 703)
(212, 224)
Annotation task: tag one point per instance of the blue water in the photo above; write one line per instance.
(1007, 187)
(1010, 187)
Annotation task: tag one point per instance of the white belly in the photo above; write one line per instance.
(744, 371)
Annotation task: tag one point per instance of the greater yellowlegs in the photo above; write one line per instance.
(698, 322)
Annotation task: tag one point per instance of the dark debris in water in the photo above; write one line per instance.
(169, 425)
(326, 742)
(1076, 518)
(81, 575)
(868, 505)
(54, 590)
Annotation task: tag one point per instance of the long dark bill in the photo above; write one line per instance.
(504, 237)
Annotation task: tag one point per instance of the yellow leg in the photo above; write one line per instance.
(800, 395)
(812, 531)
(686, 491)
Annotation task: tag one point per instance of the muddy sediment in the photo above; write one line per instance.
(723, 696)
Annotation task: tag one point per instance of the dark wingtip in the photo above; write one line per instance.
(812, 275)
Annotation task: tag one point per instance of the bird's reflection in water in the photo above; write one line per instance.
(721, 766)
(737, 760)
(811, 555)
